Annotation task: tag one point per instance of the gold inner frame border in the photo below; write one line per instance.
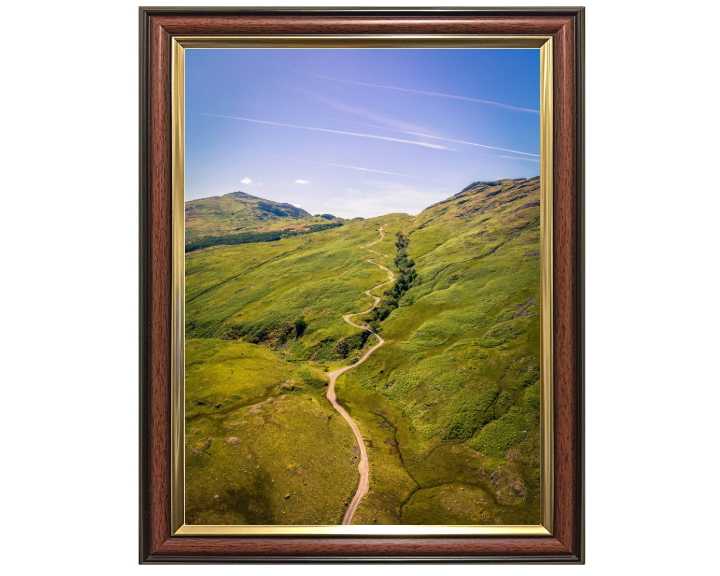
(177, 420)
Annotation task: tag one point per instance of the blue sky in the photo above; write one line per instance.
(358, 132)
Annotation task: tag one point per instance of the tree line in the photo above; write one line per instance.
(253, 237)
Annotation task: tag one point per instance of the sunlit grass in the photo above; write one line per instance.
(449, 406)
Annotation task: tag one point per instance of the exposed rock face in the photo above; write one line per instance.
(510, 489)
(201, 446)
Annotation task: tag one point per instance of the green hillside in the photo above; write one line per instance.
(451, 403)
(239, 212)
(448, 407)
(243, 350)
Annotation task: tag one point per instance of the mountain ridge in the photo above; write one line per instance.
(240, 212)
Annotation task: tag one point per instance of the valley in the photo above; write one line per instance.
(445, 399)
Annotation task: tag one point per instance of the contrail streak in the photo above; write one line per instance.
(436, 146)
(437, 138)
(420, 92)
(342, 166)
(516, 158)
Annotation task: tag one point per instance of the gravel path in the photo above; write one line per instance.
(363, 465)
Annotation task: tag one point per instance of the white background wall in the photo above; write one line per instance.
(69, 285)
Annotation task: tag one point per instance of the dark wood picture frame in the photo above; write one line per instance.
(157, 28)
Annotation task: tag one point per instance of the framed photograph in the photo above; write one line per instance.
(361, 285)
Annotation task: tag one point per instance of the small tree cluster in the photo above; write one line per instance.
(345, 346)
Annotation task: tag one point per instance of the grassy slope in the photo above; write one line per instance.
(257, 290)
(240, 212)
(451, 403)
(258, 425)
(448, 407)
(253, 428)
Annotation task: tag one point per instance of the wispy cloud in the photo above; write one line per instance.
(297, 205)
(419, 92)
(442, 138)
(342, 166)
(370, 115)
(246, 180)
(302, 182)
(425, 144)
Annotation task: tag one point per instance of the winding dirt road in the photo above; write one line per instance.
(363, 465)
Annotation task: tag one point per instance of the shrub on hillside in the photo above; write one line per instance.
(300, 326)
(495, 439)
